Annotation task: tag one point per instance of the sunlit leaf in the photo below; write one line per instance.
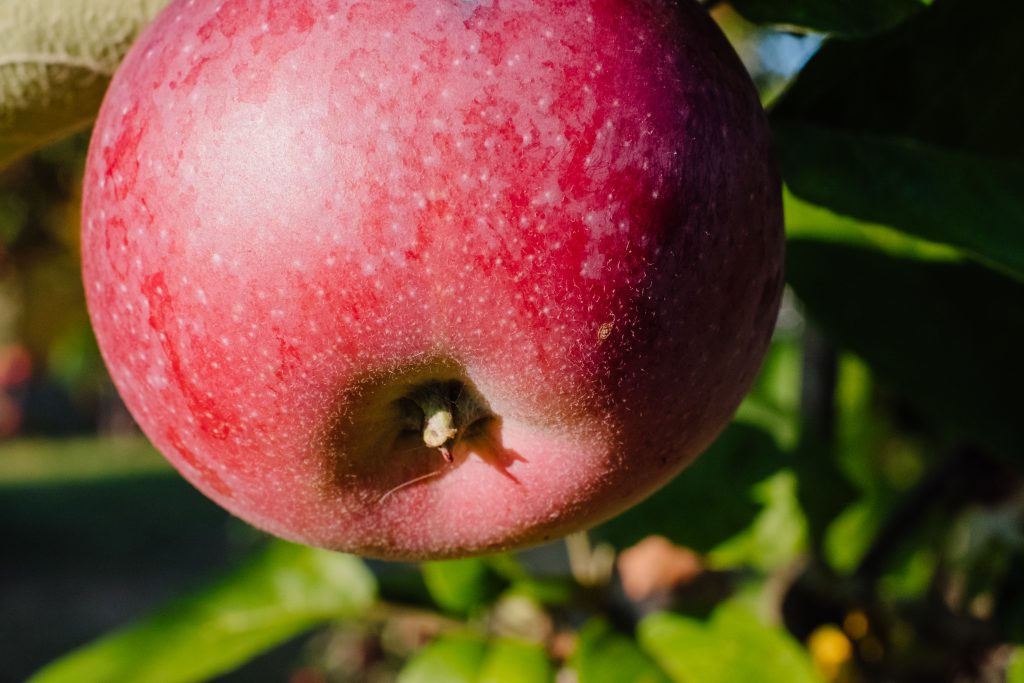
(971, 202)
(805, 220)
(56, 59)
(279, 594)
(1015, 671)
(604, 656)
(513, 661)
(469, 658)
(732, 646)
(454, 658)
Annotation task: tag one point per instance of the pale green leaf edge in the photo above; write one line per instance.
(56, 60)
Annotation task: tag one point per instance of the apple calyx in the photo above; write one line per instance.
(439, 429)
(445, 412)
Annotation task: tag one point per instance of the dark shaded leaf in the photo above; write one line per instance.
(949, 77)
(972, 202)
(840, 17)
(947, 335)
(710, 501)
(918, 129)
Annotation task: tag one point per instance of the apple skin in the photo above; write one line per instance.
(298, 214)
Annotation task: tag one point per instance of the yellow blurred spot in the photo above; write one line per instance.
(830, 650)
(856, 625)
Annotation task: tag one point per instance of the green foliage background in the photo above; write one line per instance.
(861, 519)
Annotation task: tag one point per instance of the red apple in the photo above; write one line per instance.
(428, 278)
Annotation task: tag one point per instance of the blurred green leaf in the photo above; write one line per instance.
(909, 575)
(773, 403)
(277, 595)
(604, 656)
(971, 202)
(469, 658)
(947, 335)
(513, 661)
(453, 658)
(851, 534)
(1015, 671)
(822, 491)
(32, 462)
(14, 215)
(692, 510)
(841, 17)
(55, 63)
(732, 646)
(459, 586)
(778, 534)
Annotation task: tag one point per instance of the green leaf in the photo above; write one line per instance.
(469, 658)
(56, 59)
(454, 658)
(514, 661)
(459, 586)
(691, 509)
(604, 656)
(918, 129)
(34, 462)
(773, 403)
(945, 78)
(778, 534)
(851, 534)
(822, 489)
(808, 221)
(732, 646)
(1015, 670)
(971, 202)
(282, 592)
(841, 17)
(946, 335)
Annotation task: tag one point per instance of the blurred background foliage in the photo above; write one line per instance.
(860, 521)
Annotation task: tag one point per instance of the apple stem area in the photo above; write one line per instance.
(444, 411)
